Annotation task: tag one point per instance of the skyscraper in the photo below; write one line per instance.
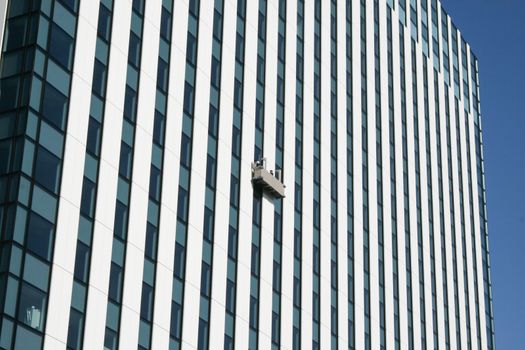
(240, 174)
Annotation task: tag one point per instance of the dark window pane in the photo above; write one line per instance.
(188, 99)
(182, 207)
(165, 24)
(110, 340)
(210, 172)
(185, 150)
(61, 46)
(162, 75)
(71, 4)
(138, 5)
(121, 220)
(115, 282)
(82, 262)
(130, 104)
(47, 170)
(191, 49)
(54, 107)
(151, 241)
(230, 296)
(179, 261)
(215, 72)
(154, 183)
(15, 33)
(104, 23)
(213, 125)
(146, 306)
(176, 319)
(93, 139)
(9, 89)
(208, 224)
(158, 128)
(99, 78)
(134, 50)
(125, 161)
(40, 236)
(31, 309)
(206, 280)
(87, 204)
(74, 333)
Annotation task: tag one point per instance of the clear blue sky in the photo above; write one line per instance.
(495, 30)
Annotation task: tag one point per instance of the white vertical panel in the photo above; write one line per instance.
(170, 180)
(446, 214)
(457, 218)
(342, 190)
(385, 142)
(287, 258)
(220, 249)
(372, 177)
(190, 323)
(398, 129)
(325, 172)
(138, 207)
(358, 181)
(72, 175)
(108, 175)
(266, 239)
(412, 191)
(307, 224)
(246, 190)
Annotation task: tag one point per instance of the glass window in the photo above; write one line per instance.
(61, 46)
(138, 5)
(154, 183)
(213, 124)
(165, 24)
(115, 282)
(191, 49)
(134, 50)
(208, 224)
(40, 236)
(110, 340)
(179, 261)
(151, 241)
(162, 75)
(9, 93)
(176, 319)
(130, 104)
(47, 170)
(82, 262)
(121, 218)
(26, 339)
(87, 205)
(125, 161)
(93, 138)
(185, 150)
(54, 107)
(104, 23)
(210, 172)
(15, 33)
(31, 308)
(146, 306)
(206, 280)
(158, 128)
(99, 78)
(74, 334)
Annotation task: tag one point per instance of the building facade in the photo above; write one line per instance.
(131, 131)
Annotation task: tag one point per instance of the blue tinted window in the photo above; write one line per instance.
(61, 46)
(40, 236)
(54, 107)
